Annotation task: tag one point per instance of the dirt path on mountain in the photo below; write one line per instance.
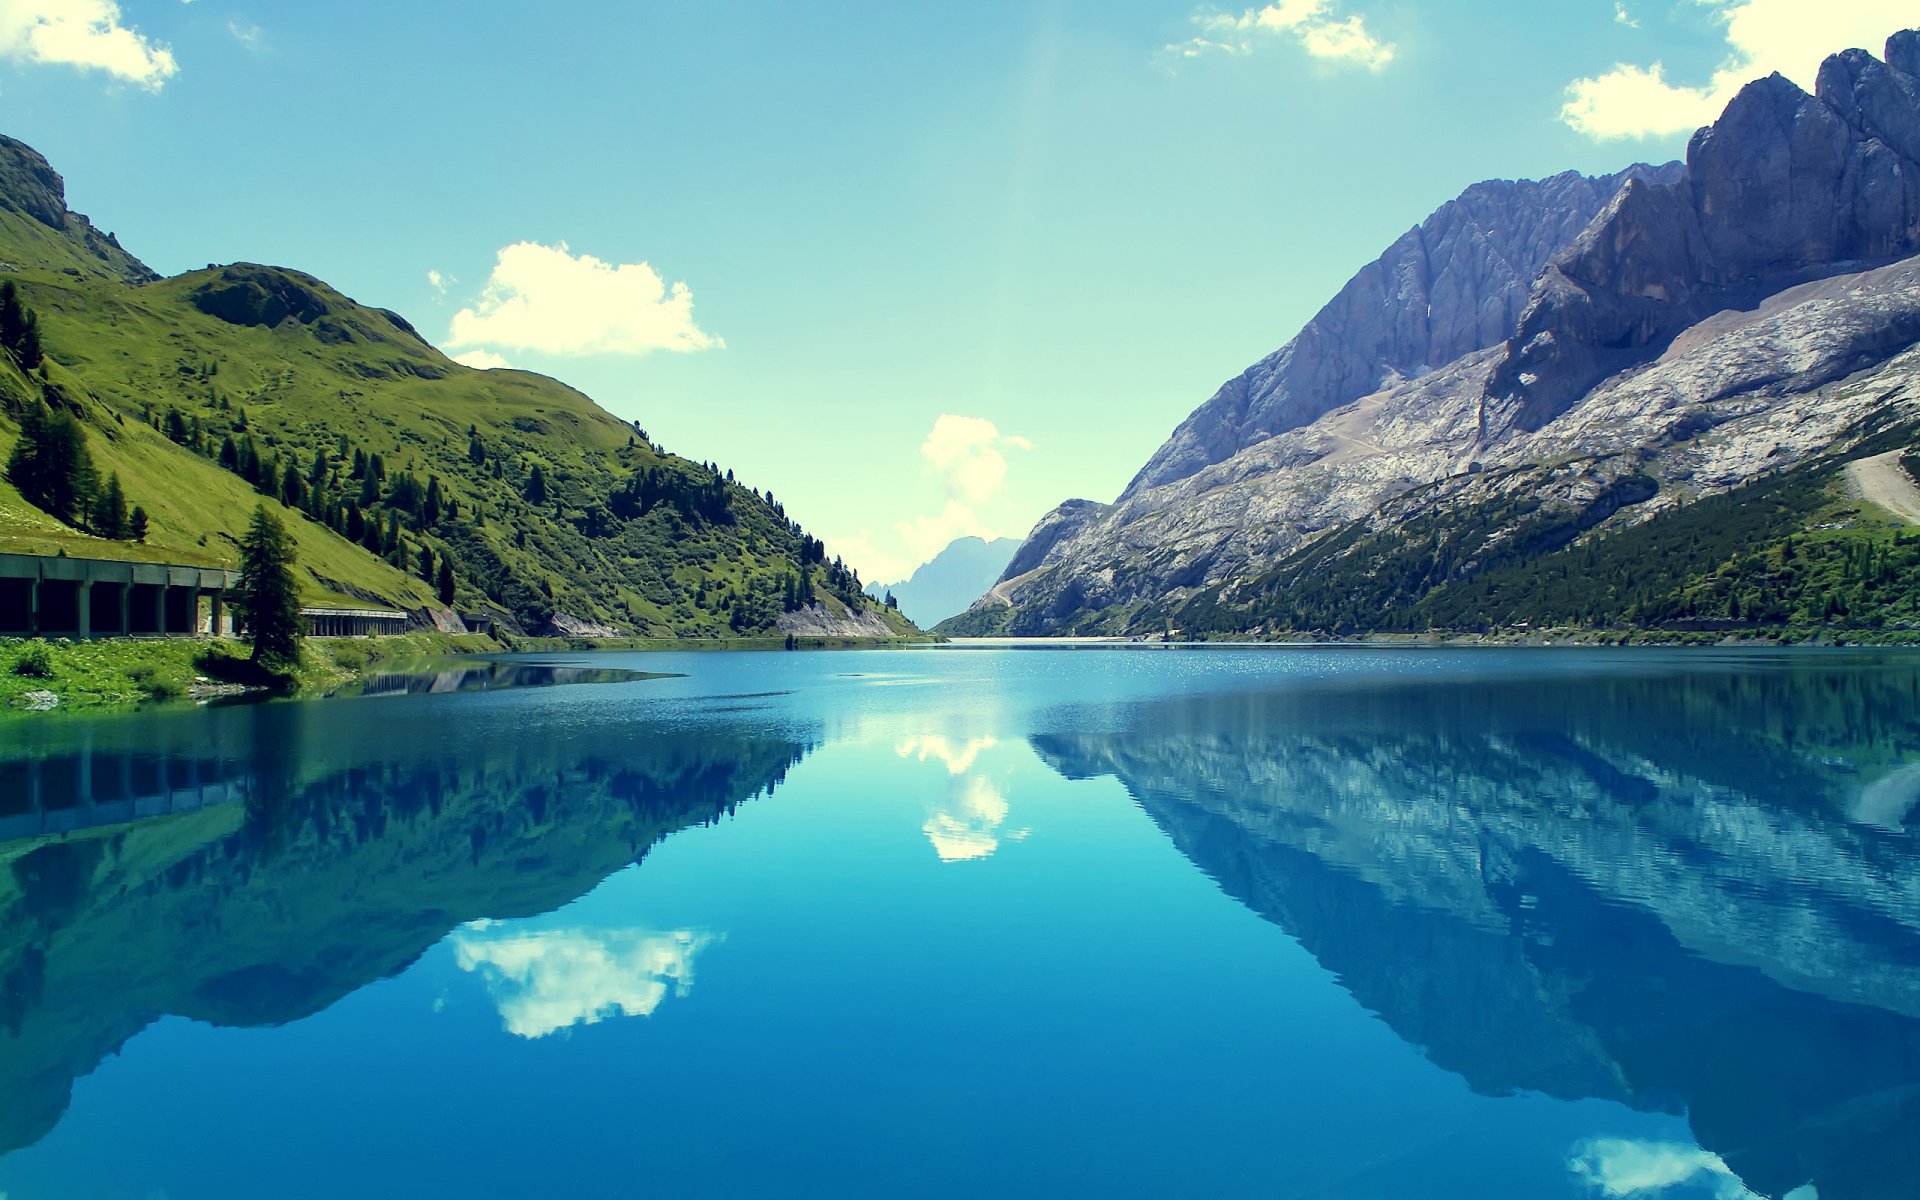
(1883, 481)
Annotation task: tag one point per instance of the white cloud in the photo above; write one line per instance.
(1622, 17)
(549, 300)
(964, 452)
(964, 455)
(86, 34)
(1625, 1167)
(1792, 37)
(437, 282)
(246, 33)
(1310, 24)
(544, 981)
(481, 360)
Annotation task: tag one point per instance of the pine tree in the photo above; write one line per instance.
(110, 511)
(536, 491)
(137, 524)
(13, 316)
(444, 584)
(266, 600)
(51, 465)
(426, 563)
(28, 352)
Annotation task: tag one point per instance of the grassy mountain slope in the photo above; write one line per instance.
(164, 372)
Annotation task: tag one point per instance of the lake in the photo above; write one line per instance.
(954, 921)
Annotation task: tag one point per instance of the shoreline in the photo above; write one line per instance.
(120, 675)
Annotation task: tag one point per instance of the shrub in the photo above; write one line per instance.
(34, 663)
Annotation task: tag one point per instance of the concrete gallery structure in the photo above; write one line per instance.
(44, 596)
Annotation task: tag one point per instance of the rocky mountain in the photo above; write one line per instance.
(954, 578)
(1690, 331)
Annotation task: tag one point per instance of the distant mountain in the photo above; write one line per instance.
(1538, 370)
(219, 389)
(954, 579)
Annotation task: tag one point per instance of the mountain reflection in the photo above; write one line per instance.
(1692, 893)
(310, 850)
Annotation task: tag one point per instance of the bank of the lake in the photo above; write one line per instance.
(60, 675)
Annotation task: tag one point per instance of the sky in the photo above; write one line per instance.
(922, 271)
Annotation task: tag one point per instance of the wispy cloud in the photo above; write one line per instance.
(87, 34)
(1313, 25)
(549, 300)
(247, 33)
(1622, 17)
(1791, 37)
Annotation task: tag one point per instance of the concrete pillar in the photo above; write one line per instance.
(160, 610)
(83, 595)
(33, 608)
(126, 610)
(216, 601)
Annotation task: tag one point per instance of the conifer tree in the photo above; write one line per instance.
(109, 518)
(266, 599)
(51, 465)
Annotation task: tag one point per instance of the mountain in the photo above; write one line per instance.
(222, 388)
(1701, 330)
(950, 581)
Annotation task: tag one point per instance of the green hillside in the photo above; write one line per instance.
(212, 391)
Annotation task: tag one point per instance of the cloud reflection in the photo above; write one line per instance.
(543, 981)
(1629, 1167)
(970, 823)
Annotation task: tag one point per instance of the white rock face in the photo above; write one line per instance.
(1647, 347)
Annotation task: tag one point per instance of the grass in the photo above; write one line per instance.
(118, 673)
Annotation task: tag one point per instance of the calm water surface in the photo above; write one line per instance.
(953, 922)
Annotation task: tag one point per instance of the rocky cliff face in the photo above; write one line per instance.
(1707, 324)
(1454, 284)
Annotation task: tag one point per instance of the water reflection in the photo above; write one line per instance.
(547, 980)
(968, 821)
(312, 851)
(1692, 894)
(469, 675)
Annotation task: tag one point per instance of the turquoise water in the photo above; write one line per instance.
(952, 922)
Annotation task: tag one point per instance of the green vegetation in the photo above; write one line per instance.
(402, 478)
(265, 600)
(118, 673)
(1787, 556)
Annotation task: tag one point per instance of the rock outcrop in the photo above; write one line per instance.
(1708, 324)
(31, 187)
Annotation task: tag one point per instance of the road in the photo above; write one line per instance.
(1883, 481)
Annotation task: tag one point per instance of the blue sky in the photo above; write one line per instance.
(921, 270)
